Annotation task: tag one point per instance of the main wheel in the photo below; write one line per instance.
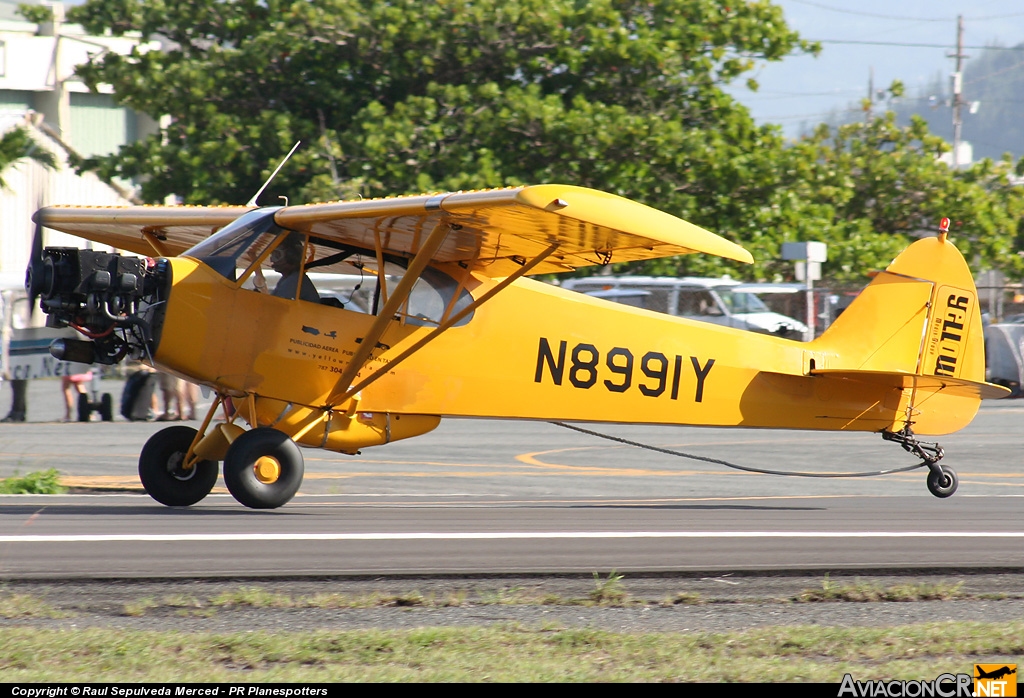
(263, 468)
(942, 484)
(162, 471)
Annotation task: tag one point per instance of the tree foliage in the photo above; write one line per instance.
(16, 144)
(401, 96)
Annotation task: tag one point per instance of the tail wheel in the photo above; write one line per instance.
(263, 468)
(942, 482)
(163, 472)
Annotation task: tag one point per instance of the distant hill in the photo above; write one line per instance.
(995, 79)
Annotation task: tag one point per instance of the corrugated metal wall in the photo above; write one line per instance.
(98, 126)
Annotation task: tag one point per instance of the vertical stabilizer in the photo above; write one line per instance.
(916, 327)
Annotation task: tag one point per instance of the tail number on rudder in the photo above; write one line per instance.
(948, 332)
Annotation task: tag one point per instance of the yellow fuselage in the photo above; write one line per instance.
(534, 351)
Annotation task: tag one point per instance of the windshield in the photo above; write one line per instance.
(235, 245)
(740, 302)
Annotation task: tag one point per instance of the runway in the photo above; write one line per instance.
(523, 498)
(328, 535)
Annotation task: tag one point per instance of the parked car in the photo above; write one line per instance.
(720, 301)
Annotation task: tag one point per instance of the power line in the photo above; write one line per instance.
(901, 18)
(864, 14)
(909, 45)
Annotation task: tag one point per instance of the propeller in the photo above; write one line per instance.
(39, 275)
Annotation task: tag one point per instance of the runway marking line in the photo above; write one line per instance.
(508, 535)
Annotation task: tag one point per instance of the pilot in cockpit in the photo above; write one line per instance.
(286, 260)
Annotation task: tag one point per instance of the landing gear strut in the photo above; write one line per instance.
(942, 480)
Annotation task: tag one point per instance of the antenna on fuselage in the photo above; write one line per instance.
(252, 201)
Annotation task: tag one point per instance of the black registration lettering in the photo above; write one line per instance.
(702, 374)
(586, 367)
(546, 358)
(622, 367)
(660, 373)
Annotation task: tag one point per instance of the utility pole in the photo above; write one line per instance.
(871, 92)
(957, 85)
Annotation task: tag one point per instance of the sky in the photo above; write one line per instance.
(800, 91)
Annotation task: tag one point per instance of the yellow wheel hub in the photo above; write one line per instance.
(267, 469)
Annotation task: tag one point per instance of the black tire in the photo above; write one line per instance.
(943, 484)
(84, 408)
(161, 472)
(106, 408)
(254, 449)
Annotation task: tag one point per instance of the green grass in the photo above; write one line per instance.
(608, 591)
(508, 653)
(13, 606)
(865, 592)
(43, 482)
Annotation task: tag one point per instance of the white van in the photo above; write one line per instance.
(721, 301)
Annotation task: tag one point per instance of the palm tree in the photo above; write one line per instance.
(17, 144)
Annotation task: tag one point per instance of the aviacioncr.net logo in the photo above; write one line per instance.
(942, 686)
(995, 680)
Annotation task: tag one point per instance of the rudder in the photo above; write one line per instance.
(920, 317)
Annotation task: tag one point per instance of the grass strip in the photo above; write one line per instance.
(41, 482)
(507, 653)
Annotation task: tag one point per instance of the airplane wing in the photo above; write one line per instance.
(492, 231)
(166, 231)
(496, 231)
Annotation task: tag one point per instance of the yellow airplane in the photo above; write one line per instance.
(445, 323)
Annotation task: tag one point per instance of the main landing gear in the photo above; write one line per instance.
(263, 467)
(942, 480)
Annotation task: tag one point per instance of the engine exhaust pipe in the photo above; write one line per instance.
(74, 350)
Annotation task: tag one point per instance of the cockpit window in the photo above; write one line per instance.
(347, 277)
(237, 244)
(342, 275)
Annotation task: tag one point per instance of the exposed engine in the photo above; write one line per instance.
(115, 301)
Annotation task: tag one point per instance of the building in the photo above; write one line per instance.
(38, 89)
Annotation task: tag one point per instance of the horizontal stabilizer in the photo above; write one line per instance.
(949, 385)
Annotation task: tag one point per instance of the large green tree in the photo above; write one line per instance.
(402, 96)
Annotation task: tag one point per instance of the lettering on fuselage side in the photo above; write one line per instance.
(948, 333)
(619, 371)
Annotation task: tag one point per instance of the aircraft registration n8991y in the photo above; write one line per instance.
(445, 323)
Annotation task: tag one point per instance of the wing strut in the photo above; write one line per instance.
(387, 314)
(419, 344)
(154, 242)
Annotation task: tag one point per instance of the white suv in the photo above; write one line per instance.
(721, 301)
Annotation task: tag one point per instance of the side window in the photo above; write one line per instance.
(706, 304)
(658, 298)
(430, 298)
(347, 277)
(697, 303)
(283, 272)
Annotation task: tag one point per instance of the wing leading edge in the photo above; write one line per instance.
(492, 231)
